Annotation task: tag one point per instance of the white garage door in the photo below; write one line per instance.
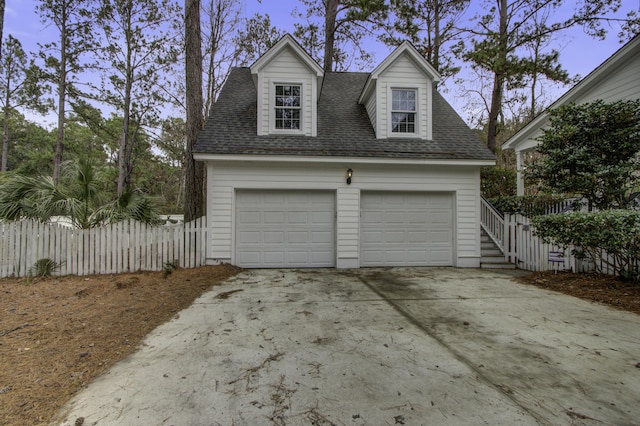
(406, 229)
(285, 229)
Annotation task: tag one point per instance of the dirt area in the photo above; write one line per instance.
(600, 288)
(58, 333)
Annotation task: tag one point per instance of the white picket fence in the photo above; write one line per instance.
(527, 251)
(127, 246)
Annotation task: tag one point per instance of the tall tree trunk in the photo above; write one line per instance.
(330, 33)
(126, 144)
(498, 79)
(5, 133)
(1, 25)
(62, 92)
(194, 171)
(5, 137)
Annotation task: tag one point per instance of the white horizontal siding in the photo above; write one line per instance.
(372, 112)
(623, 83)
(348, 220)
(404, 73)
(226, 177)
(287, 68)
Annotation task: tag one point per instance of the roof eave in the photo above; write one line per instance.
(341, 159)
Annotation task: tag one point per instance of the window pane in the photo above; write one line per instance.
(403, 122)
(287, 103)
(403, 100)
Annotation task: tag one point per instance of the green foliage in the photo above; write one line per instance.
(431, 26)
(169, 266)
(497, 181)
(595, 235)
(80, 196)
(257, 37)
(348, 23)
(591, 150)
(528, 205)
(43, 268)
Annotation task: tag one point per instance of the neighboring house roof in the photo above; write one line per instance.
(524, 138)
(344, 128)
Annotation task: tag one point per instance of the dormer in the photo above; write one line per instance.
(398, 95)
(288, 83)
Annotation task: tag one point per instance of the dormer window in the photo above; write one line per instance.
(287, 106)
(403, 110)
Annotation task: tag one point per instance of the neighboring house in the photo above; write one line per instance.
(617, 78)
(314, 169)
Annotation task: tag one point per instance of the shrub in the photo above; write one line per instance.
(497, 181)
(610, 237)
(168, 267)
(43, 268)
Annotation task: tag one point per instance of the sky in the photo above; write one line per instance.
(579, 53)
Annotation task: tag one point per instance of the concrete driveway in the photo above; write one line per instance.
(412, 346)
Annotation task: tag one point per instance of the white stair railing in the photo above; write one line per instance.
(492, 222)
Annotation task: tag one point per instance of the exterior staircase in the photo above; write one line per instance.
(491, 256)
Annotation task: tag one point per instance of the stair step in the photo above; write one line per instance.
(491, 252)
(502, 265)
(492, 259)
(488, 245)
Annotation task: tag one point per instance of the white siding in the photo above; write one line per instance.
(286, 68)
(621, 83)
(372, 112)
(224, 178)
(404, 73)
(348, 217)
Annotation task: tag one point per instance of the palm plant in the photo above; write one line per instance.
(79, 197)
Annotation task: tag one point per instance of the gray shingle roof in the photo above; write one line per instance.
(344, 128)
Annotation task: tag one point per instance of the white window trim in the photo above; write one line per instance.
(272, 108)
(419, 118)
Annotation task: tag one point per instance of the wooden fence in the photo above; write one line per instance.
(527, 251)
(127, 246)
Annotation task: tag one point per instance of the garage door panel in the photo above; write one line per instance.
(368, 236)
(285, 228)
(248, 237)
(418, 237)
(392, 237)
(322, 237)
(274, 258)
(275, 218)
(418, 218)
(443, 237)
(273, 237)
(322, 218)
(409, 229)
(297, 218)
(249, 217)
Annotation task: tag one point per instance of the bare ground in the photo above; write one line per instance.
(598, 288)
(57, 334)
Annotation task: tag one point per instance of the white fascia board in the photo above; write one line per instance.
(352, 160)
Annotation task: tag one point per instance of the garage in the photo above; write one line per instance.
(406, 229)
(285, 229)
